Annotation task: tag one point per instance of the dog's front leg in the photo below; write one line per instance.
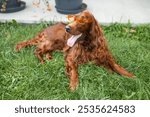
(72, 70)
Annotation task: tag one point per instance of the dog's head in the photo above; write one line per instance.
(81, 24)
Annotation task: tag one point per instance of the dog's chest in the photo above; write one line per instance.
(82, 54)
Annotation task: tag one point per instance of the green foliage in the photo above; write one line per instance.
(23, 77)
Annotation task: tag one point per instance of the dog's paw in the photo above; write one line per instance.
(73, 86)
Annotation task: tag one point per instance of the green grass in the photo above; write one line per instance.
(23, 77)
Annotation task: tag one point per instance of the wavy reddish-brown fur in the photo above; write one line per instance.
(91, 46)
(47, 41)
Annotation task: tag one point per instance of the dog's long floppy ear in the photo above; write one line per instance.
(96, 31)
(95, 27)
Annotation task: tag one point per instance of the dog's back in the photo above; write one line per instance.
(50, 39)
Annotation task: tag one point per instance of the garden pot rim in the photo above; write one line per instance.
(72, 11)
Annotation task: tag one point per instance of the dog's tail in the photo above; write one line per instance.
(122, 71)
(31, 42)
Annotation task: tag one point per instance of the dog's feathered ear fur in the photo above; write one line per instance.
(95, 27)
(96, 31)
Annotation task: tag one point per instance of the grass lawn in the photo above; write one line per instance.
(23, 77)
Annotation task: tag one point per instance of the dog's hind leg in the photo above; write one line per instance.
(39, 54)
(44, 48)
(40, 37)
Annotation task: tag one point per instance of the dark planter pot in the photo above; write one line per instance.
(10, 6)
(70, 6)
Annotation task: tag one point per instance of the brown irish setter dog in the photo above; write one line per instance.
(82, 41)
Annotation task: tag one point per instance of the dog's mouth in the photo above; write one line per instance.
(73, 39)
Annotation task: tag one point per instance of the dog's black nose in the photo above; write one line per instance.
(68, 28)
